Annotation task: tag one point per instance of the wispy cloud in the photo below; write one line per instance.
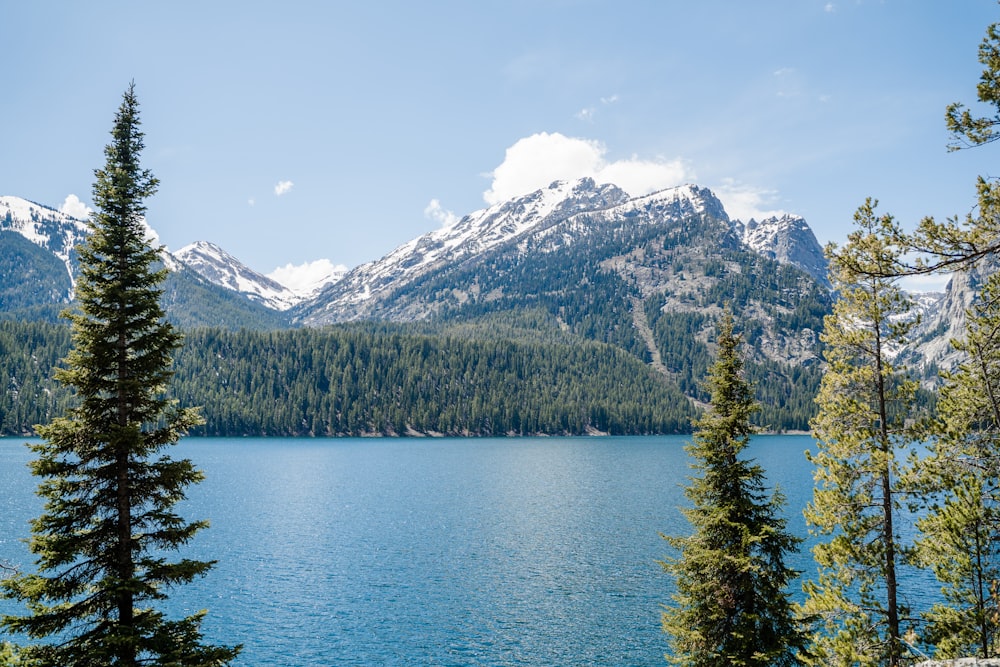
(283, 187)
(744, 202)
(434, 211)
(587, 114)
(534, 162)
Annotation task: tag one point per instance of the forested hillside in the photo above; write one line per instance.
(501, 375)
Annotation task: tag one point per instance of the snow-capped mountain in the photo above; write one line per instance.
(38, 267)
(469, 236)
(541, 221)
(788, 239)
(45, 227)
(219, 267)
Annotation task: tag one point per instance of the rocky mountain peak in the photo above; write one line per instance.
(219, 267)
(788, 239)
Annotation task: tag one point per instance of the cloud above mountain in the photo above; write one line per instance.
(536, 161)
(744, 202)
(306, 278)
(72, 206)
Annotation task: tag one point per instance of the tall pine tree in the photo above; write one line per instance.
(960, 531)
(731, 606)
(861, 429)
(109, 487)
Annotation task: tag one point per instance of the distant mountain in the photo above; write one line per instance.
(361, 292)
(564, 210)
(677, 244)
(645, 274)
(38, 267)
(219, 267)
(55, 233)
(942, 319)
(789, 240)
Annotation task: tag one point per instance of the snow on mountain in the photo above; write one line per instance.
(219, 267)
(546, 219)
(943, 318)
(44, 226)
(473, 234)
(787, 239)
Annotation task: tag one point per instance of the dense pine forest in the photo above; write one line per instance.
(500, 375)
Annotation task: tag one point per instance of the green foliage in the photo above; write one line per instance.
(960, 532)
(968, 130)
(29, 275)
(284, 382)
(29, 352)
(371, 378)
(12, 656)
(109, 489)
(193, 302)
(732, 605)
(861, 430)
(389, 379)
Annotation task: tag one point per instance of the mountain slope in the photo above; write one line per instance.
(789, 240)
(359, 294)
(539, 223)
(647, 275)
(586, 252)
(38, 266)
(46, 228)
(219, 267)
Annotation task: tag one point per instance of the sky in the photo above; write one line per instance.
(303, 134)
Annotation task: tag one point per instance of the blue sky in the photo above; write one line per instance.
(296, 131)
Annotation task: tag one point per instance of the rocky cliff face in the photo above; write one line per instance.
(788, 239)
(942, 319)
(552, 222)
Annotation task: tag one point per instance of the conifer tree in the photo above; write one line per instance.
(949, 245)
(731, 606)
(968, 130)
(108, 522)
(861, 430)
(960, 532)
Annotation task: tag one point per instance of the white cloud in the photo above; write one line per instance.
(925, 283)
(610, 100)
(152, 238)
(536, 161)
(744, 202)
(72, 206)
(250, 202)
(282, 187)
(307, 277)
(585, 114)
(434, 211)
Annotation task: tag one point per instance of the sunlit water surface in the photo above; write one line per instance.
(529, 551)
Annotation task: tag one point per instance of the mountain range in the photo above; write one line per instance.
(607, 266)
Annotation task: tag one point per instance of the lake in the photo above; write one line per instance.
(527, 551)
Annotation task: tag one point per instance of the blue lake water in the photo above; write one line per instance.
(528, 551)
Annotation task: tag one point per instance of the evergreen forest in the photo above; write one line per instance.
(499, 375)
